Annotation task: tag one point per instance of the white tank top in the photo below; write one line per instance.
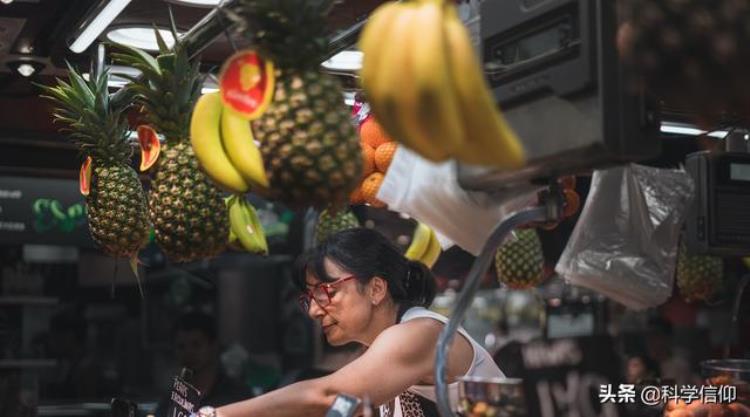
(482, 364)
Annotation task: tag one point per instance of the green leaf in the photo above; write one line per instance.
(135, 54)
(163, 48)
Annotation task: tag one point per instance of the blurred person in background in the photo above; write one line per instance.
(197, 348)
(640, 368)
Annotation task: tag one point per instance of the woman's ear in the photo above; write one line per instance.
(378, 290)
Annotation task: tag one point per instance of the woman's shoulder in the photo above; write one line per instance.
(421, 312)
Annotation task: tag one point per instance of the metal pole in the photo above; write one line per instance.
(546, 212)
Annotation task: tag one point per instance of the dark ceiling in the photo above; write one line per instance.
(40, 30)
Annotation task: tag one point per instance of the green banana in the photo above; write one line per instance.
(245, 224)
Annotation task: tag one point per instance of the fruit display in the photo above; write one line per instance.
(378, 150)
(426, 87)
(699, 277)
(519, 261)
(424, 246)
(698, 408)
(330, 222)
(186, 207)
(308, 142)
(116, 204)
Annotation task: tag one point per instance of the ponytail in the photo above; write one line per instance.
(419, 284)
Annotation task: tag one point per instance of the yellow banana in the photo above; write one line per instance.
(490, 140)
(393, 95)
(433, 251)
(371, 40)
(237, 138)
(205, 138)
(436, 110)
(419, 242)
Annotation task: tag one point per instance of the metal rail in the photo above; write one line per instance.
(548, 211)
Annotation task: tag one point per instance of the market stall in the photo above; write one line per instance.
(540, 206)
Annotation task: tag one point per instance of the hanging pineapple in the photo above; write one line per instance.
(115, 200)
(699, 277)
(330, 222)
(186, 207)
(520, 261)
(310, 148)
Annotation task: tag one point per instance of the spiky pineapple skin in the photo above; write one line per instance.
(188, 211)
(309, 145)
(330, 223)
(117, 210)
(519, 262)
(698, 277)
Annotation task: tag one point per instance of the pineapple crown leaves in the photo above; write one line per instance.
(168, 88)
(97, 125)
(292, 33)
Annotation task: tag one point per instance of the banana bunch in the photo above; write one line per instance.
(224, 145)
(424, 246)
(245, 229)
(426, 86)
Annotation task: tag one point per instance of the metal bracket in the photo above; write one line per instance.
(549, 209)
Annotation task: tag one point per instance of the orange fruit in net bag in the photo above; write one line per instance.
(370, 187)
(384, 156)
(368, 160)
(373, 134)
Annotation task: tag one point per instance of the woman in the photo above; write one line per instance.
(360, 288)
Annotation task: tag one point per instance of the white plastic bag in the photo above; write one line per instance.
(625, 242)
(430, 193)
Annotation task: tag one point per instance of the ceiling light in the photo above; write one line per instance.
(7, 1)
(198, 3)
(690, 130)
(26, 66)
(25, 69)
(140, 37)
(90, 30)
(345, 61)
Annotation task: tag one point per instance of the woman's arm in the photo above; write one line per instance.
(400, 357)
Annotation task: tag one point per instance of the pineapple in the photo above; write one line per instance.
(309, 144)
(690, 52)
(698, 277)
(116, 203)
(331, 222)
(520, 261)
(187, 208)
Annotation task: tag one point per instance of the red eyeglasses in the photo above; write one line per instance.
(321, 293)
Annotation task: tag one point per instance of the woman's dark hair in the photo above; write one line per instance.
(366, 253)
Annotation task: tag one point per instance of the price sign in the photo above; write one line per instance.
(563, 377)
(184, 399)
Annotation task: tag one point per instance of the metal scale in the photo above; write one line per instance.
(554, 70)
